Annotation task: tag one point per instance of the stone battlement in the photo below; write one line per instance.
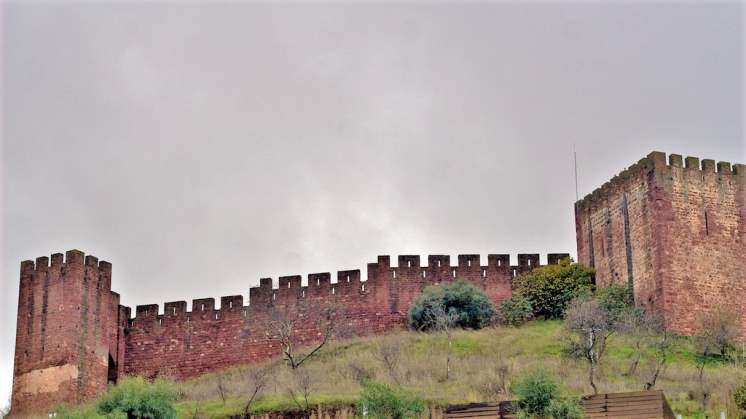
(656, 160)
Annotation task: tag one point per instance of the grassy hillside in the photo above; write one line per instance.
(483, 364)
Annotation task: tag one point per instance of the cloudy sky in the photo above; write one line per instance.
(200, 147)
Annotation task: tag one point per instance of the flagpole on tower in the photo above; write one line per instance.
(575, 161)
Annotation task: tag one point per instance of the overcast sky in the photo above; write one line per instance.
(201, 147)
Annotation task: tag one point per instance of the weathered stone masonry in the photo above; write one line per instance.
(73, 336)
(676, 231)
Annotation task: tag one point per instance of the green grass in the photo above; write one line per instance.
(483, 364)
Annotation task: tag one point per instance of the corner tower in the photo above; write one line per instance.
(69, 340)
(675, 230)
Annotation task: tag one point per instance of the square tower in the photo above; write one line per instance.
(675, 231)
(68, 336)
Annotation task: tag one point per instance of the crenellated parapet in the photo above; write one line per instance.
(290, 290)
(656, 162)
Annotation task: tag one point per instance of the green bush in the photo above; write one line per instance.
(462, 300)
(564, 409)
(549, 288)
(615, 299)
(515, 310)
(535, 393)
(138, 398)
(380, 401)
(132, 398)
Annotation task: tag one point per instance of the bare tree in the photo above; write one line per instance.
(389, 354)
(589, 321)
(283, 327)
(662, 349)
(444, 321)
(258, 379)
(643, 329)
(719, 332)
(221, 388)
(301, 390)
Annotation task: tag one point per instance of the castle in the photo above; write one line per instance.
(676, 234)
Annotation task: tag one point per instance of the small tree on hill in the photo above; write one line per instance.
(468, 304)
(590, 322)
(719, 331)
(538, 398)
(283, 327)
(258, 379)
(550, 288)
(444, 321)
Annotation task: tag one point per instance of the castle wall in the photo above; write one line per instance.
(65, 313)
(186, 344)
(674, 229)
(73, 336)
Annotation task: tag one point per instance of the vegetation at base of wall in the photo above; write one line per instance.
(464, 304)
(485, 364)
(133, 397)
(550, 288)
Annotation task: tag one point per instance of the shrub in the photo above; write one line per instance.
(469, 305)
(739, 397)
(615, 299)
(535, 393)
(134, 397)
(515, 310)
(380, 401)
(564, 409)
(550, 288)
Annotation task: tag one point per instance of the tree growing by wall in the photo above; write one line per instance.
(257, 379)
(467, 304)
(283, 327)
(550, 288)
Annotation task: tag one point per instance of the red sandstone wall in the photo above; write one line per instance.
(678, 267)
(702, 239)
(185, 344)
(73, 335)
(65, 314)
(615, 233)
